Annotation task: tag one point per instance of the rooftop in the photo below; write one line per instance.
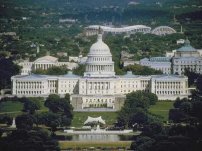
(41, 77)
(47, 58)
(121, 29)
(187, 46)
(166, 77)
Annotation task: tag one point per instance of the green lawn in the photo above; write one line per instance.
(10, 106)
(14, 108)
(88, 145)
(81, 117)
(161, 108)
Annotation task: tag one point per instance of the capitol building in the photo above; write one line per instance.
(99, 87)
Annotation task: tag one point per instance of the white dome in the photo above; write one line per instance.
(99, 62)
(99, 47)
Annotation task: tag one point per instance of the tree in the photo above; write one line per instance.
(80, 70)
(135, 108)
(174, 143)
(198, 84)
(62, 107)
(137, 99)
(51, 102)
(24, 121)
(197, 110)
(176, 115)
(5, 119)
(31, 106)
(142, 70)
(7, 69)
(140, 117)
(1, 132)
(59, 105)
(177, 103)
(152, 129)
(142, 143)
(22, 140)
(192, 76)
(152, 98)
(55, 70)
(67, 97)
(186, 107)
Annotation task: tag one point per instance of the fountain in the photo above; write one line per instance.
(96, 134)
(13, 123)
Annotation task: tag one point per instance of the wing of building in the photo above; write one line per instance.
(44, 63)
(158, 63)
(100, 88)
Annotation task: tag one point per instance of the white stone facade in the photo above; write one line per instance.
(99, 87)
(158, 63)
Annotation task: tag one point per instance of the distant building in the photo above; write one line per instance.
(94, 29)
(133, 3)
(25, 18)
(180, 41)
(177, 61)
(128, 62)
(170, 54)
(127, 58)
(163, 30)
(8, 34)
(187, 57)
(67, 20)
(128, 30)
(62, 54)
(44, 63)
(80, 59)
(158, 63)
